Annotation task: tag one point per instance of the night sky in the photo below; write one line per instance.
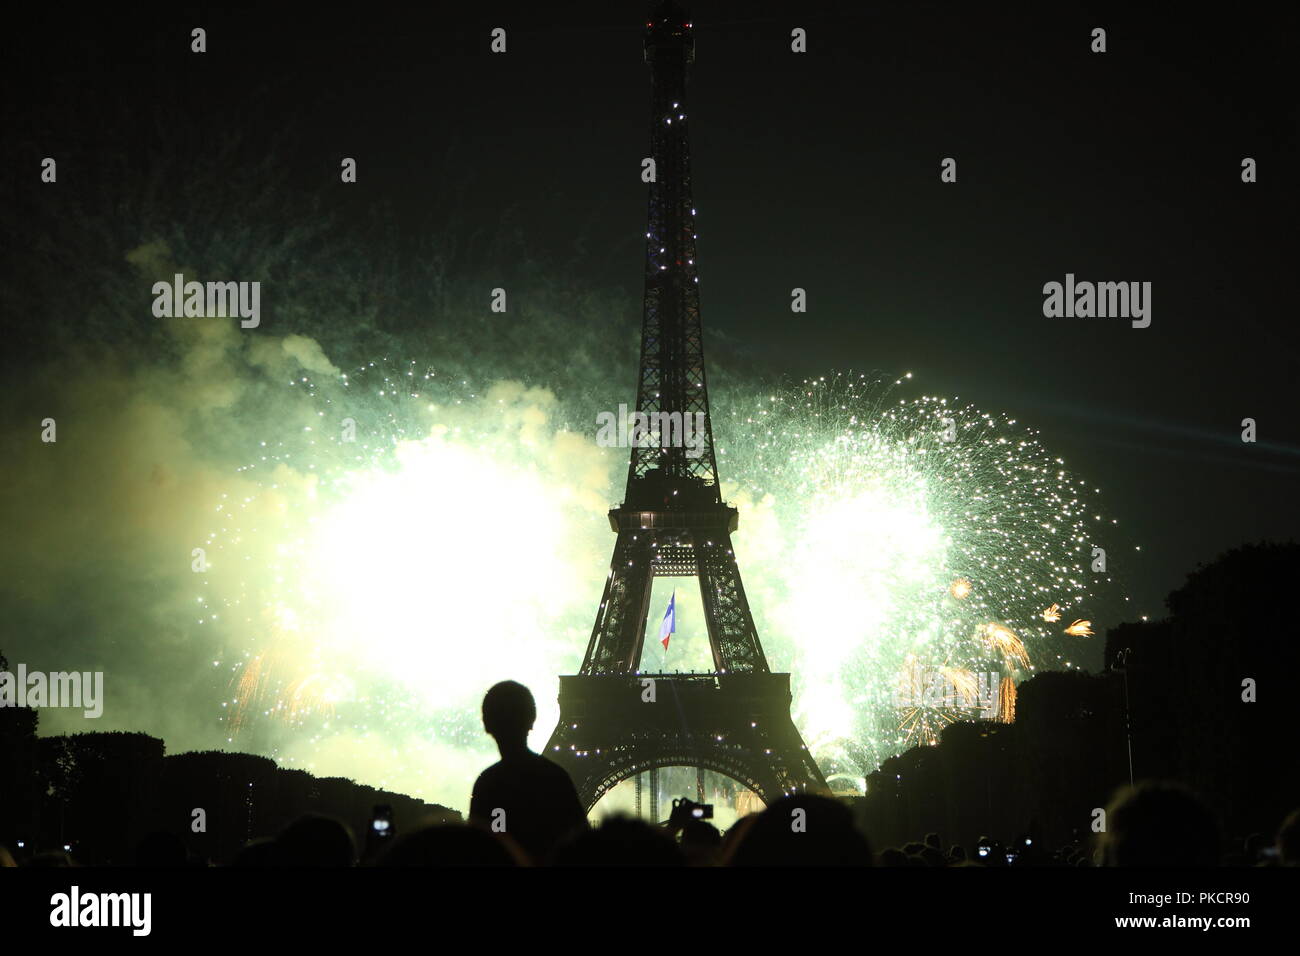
(819, 171)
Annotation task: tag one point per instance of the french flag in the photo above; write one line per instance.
(669, 626)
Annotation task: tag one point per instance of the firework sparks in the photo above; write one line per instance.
(921, 726)
(1052, 614)
(1003, 640)
(872, 524)
(379, 598)
(316, 693)
(1007, 701)
(1080, 629)
(964, 684)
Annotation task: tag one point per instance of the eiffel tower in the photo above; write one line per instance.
(615, 721)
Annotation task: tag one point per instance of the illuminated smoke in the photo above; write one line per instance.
(461, 539)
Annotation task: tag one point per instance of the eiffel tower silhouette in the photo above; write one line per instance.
(615, 721)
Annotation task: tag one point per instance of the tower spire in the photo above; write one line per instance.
(673, 522)
(672, 377)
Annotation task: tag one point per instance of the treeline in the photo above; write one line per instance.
(100, 793)
(1210, 702)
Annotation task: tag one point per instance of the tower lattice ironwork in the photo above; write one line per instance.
(615, 721)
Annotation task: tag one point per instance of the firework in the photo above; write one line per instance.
(1007, 701)
(922, 726)
(964, 684)
(407, 541)
(899, 533)
(1003, 640)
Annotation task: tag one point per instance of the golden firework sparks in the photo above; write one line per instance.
(249, 685)
(1080, 629)
(963, 682)
(1002, 639)
(1052, 614)
(921, 726)
(911, 680)
(316, 692)
(960, 588)
(1007, 701)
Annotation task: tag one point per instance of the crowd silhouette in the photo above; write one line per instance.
(1197, 697)
(526, 812)
(1155, 825)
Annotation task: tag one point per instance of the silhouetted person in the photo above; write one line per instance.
(701, 843)
(261, 853)
(316, 840)
(620, 841)
(735, 833)
(1159, 824)
(524, 794)
(451, 844)
(803, 830)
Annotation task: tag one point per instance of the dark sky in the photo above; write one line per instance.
(822, 171)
